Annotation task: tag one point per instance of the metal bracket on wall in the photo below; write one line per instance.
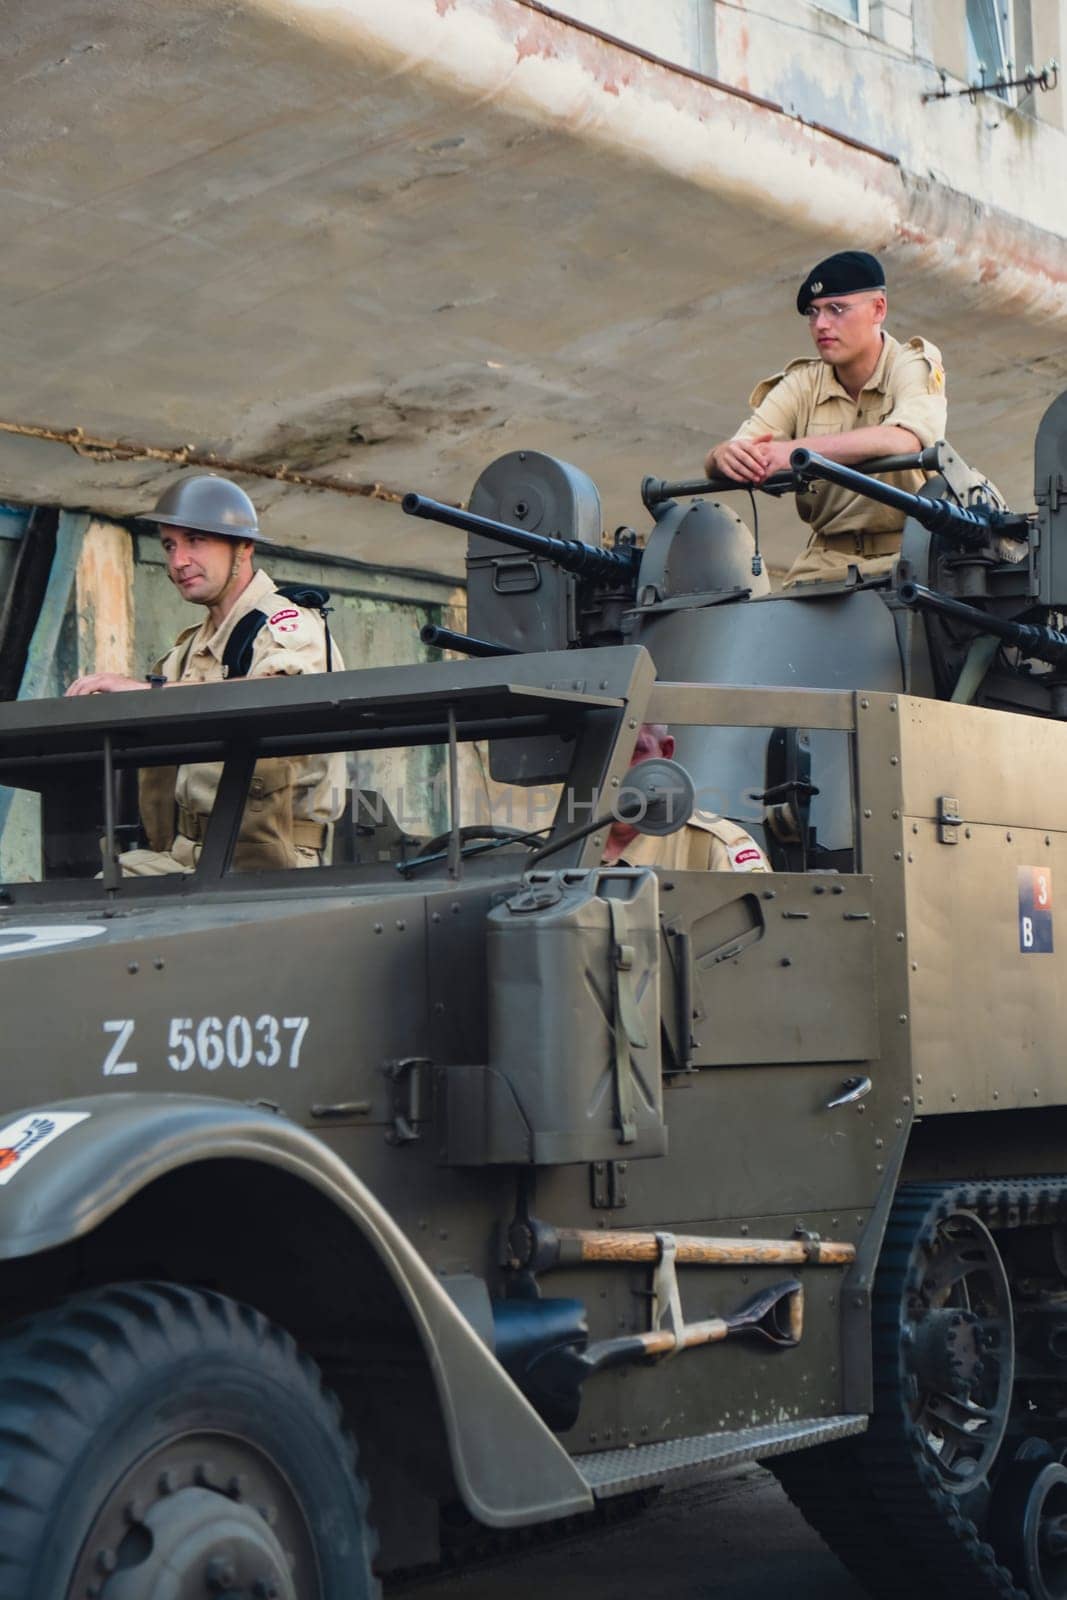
(607, 1191)
(949, 820)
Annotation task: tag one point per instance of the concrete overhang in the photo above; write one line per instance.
(386, 243)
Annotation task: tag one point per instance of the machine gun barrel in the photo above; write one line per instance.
(448, 639)
(587, 560)
(937, 516)
(654, 491)
(1033, 639)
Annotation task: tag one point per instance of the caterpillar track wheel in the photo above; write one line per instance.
(958, 1488)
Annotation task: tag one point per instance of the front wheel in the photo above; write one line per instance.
(163, 1443)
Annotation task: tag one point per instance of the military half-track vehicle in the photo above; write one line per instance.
(467, 1177)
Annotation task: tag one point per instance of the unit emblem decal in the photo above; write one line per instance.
(21, 1140)
(1035, 910)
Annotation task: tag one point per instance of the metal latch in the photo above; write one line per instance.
(949, 820)
(405, 1077)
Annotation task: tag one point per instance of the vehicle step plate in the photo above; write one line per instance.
(675, 1462)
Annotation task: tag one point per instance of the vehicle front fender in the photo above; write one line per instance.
(104, 1150)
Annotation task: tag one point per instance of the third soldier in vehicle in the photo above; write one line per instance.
(707, 843)
(863, 396)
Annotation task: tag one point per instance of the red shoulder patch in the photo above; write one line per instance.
(289, 614)
(749, 853)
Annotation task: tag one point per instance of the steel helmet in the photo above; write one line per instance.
(207, 504)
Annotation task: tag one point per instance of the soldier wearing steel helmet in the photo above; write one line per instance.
(864, 395)
(209, 530)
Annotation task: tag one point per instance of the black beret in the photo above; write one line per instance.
(845, 273)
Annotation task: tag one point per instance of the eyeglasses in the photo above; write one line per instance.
(836, 309)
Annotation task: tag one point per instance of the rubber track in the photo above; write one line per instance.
(94, 1339)
(875, 1500)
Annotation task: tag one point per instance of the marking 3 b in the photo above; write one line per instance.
(212, 1042)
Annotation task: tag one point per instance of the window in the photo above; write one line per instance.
(989, 31)
(852, 10)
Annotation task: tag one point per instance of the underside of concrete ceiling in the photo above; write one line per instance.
(387, 244)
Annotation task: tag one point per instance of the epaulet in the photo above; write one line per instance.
(742, 851)
(932, 357)
(925, 348)
(708, 820)
(765, 385)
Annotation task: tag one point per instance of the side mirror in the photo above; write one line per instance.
(657, 797)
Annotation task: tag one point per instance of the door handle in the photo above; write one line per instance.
(852, 1089)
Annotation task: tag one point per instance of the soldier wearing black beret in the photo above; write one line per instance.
(864, 395)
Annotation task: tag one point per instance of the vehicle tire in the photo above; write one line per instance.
(159, 1443)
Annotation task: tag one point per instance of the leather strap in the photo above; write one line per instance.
(860, 544)
(627, 1020)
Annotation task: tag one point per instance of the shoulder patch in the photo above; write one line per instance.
(287, 620)
(745, 857)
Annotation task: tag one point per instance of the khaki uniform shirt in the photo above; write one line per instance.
(707, 843)
(905, 390)
(292, 640)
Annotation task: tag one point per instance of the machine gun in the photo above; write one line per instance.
(1034, 640)
(572, 555)
(967, 527)
(656, 491)
(533, 599)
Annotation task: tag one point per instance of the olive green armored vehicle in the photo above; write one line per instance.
(467, 1181)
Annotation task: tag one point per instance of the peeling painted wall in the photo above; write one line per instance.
(402, 239)
(103, 600)
(866, 82)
